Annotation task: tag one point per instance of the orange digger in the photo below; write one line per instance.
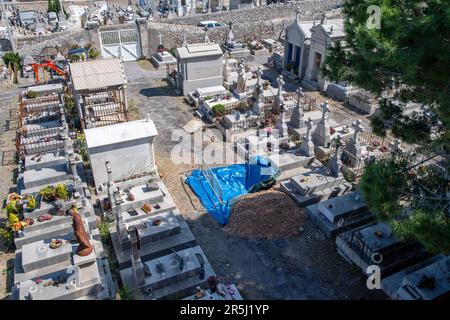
(49, 64)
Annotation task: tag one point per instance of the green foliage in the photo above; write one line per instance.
(12, 219)
(412, 128)
(125, 294)
(74, 58)
(70, 104)
(6, 236)
(54, 6)
(31, 94)
(410, 54)
(48, 193)
(61, 191)
(93, 53)
(218, 110)
(380, 187)
(32, 203)
(12, 59)
(81, 146)
(12, 208)
(431, 228)
(104, 232)
(408, 59)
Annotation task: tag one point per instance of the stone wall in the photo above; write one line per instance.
(33, 45)
(262, 13)
(248, 24)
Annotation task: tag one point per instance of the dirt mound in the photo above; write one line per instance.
(268, 214)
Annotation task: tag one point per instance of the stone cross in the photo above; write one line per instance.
(109, 172)
(241, 81)
(358, 129)
(280, 82)
(300, 95)
(338, 145)
(205, 38)
(136, 263)
(185, 43)
(258, 76)
(309, 124)
(396, 146)
(230, 36)
(160, 38)
(325, 111)
(297, 14)
(335, 163)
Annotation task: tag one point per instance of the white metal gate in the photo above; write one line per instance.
(120, 42)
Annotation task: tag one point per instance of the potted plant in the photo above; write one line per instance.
(61, 191)
(31, 202)
(12, 208)
(48, 193)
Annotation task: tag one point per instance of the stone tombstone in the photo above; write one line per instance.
(241, 80)
(307, 146)
(136, 263)
(353, 146)
(281, 124)
(396, 146)
(322, 134)
(205, 37)
(279, 98)
(335, 163)
(185, 42)
(230, 35)
(259, 74)
(297, 112)
(225, 67)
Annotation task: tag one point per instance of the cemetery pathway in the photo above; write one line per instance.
(8, 100)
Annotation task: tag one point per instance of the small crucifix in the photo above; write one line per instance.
(325, 111)
(358, 129)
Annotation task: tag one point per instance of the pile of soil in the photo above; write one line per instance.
(268, 214)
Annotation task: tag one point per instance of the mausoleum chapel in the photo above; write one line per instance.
(223, 150)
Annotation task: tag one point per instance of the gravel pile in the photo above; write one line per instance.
(267, 214)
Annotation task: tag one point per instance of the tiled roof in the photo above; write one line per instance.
(96, 74)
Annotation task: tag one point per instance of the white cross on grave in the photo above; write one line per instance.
(338, 144)
(280, 82)
(297, 14)
(325, 111)
(160, 38)
(309, 124)
(258, 76)
(356, 125)
(396, 146)
(300, 95)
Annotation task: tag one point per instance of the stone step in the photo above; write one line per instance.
(136, 214)
(45, 224)
(55, 231)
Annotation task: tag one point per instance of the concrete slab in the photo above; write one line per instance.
(38, 255)
(177, 289)
(183, 239)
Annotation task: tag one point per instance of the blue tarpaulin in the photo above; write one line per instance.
(234, 181)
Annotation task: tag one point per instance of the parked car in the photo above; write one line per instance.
(210, 24)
